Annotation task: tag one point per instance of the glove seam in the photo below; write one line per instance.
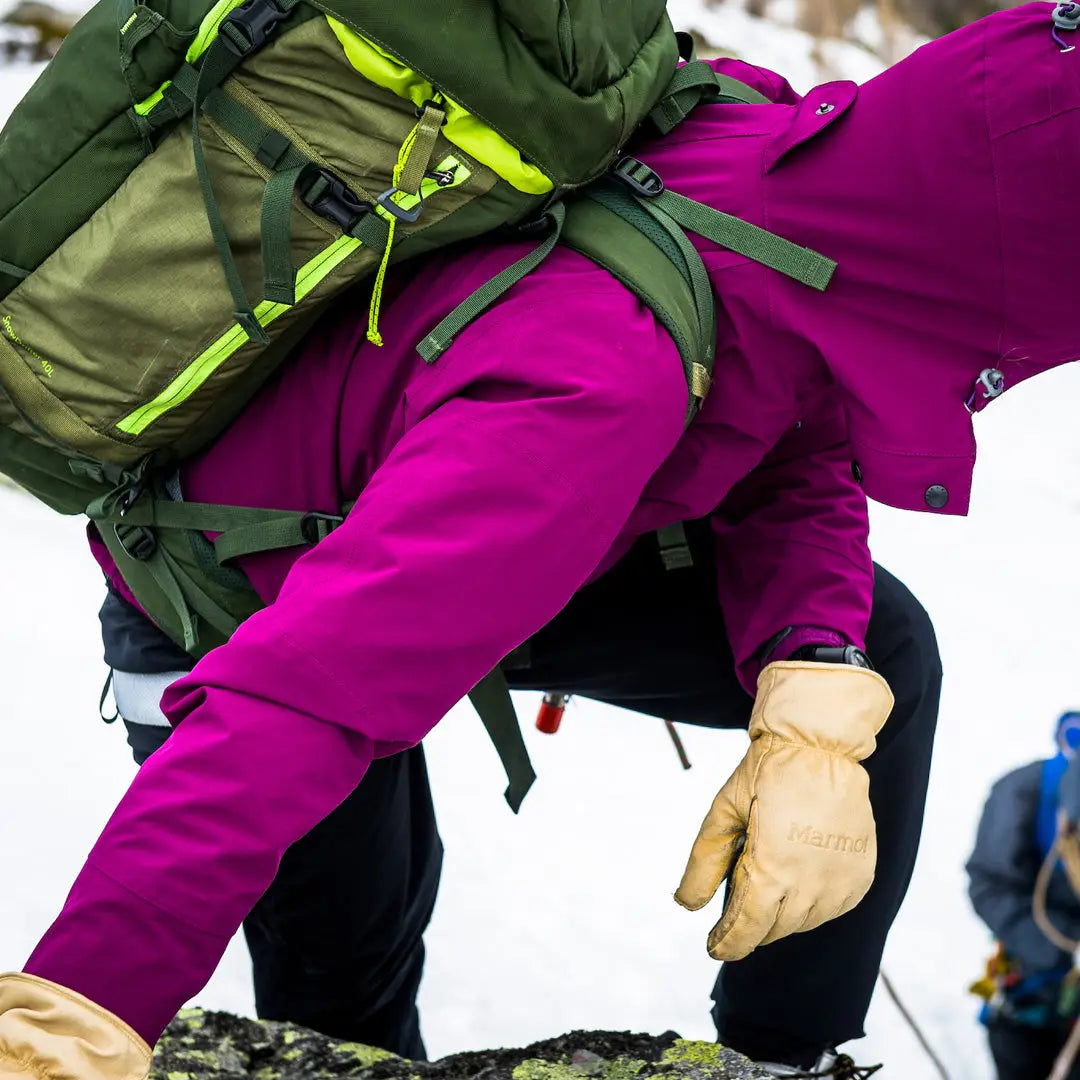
(774, 737)
(27, 1063)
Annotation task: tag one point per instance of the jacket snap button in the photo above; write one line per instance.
(825, 108)
(856, 472)
(936, 496)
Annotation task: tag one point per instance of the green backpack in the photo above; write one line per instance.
(186, 187)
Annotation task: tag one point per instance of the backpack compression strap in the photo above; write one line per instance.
(184, 580)
(135, 529)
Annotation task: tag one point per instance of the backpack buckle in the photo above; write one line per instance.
(332, 199)
(138, 541)
(247, 27)
(315, 527)
(639, 177)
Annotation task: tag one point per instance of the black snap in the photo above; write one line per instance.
(936, 496)
(825, 108)
(856, 472)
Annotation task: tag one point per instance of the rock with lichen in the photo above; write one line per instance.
(217, 1046)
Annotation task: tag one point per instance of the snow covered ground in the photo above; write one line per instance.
(562, 917)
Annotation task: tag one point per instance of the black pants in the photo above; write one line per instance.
(336, 940)
(1027, 1053)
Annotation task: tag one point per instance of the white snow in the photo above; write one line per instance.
(563, 917)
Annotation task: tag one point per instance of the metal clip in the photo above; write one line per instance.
(992, 383)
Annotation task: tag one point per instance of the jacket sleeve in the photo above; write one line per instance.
(1003, 868)
(792, 544)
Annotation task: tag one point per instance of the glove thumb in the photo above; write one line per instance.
(718, 845)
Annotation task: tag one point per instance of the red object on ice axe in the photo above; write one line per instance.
(550, 714)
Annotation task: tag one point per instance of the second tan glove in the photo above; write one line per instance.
(800, 799)
(48, 1032)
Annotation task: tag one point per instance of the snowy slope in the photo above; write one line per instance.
(562, 917)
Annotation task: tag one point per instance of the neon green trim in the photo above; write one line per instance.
(206, 363)
(208, 29)
(144, 106)
(132, 19)
(429, 187)
(462, 128)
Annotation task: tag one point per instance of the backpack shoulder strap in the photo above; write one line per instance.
(696, 83)
(1053, 769)
(659, 265)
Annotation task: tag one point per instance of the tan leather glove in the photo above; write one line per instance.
(800, 799)
(50, 1033)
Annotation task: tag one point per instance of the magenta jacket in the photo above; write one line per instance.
(494, 483)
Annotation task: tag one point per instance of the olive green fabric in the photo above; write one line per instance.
(47, 474)
(584, 73)
(68, 144)
(149, 334)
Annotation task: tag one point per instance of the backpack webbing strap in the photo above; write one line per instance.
(147, 565)
(284, 531)
(236, 40)
(275, 232)
(674, 547)
(13, 271)
(244, 530)
(442, 337)
(491, 699)
(695, 84)
(135, 22)
(218, 62)
(292, 172)
(799, 263)
(152, 572)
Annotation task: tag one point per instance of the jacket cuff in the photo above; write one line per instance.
(781, 646)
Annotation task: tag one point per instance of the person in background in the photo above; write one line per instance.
(1030, 984)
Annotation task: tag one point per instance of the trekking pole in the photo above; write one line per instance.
(923, 1041)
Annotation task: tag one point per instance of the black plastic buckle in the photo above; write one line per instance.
(247, 27)
(638, 177)
(332, 199)
(315, 527)
(533, 229)
(138, 541)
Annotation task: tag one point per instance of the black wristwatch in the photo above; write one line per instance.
(833, 654)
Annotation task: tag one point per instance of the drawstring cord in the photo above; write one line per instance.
(1066, 17)
(424, 132)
